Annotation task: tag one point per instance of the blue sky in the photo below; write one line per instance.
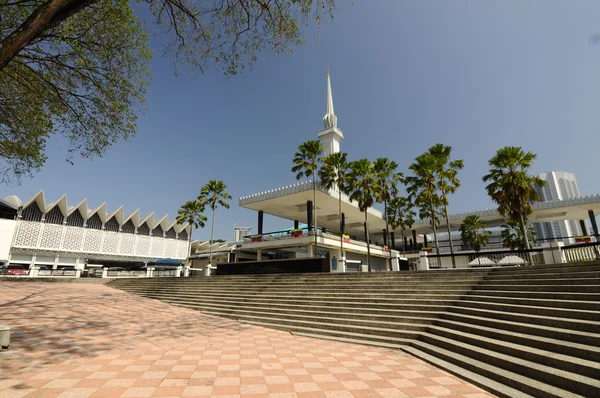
(476, 75)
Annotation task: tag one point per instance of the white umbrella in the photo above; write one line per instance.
(482, 261)
(512, 260)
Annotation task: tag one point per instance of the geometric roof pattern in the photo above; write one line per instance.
(66, 209)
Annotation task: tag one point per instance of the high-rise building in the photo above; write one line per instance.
(560, 185)
(240, 232)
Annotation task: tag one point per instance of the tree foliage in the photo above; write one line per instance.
(512, 235)
(306, 163)
(511, 187)
(191, 213)
(363, 187)
(401, 214)
(80, 68)
(213, 195)
(473, 232)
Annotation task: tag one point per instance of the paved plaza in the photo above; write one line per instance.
(89, 340)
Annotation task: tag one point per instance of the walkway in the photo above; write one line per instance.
(80, 340)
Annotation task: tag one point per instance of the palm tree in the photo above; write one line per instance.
(447, 182)
(513, 236)
(363, 187)
(333, 174)
(474, 234)
(191, 213)
(388, 180)
(511, 187)
(213, 195)
(306, 163)
(422, 188)
(401, 214)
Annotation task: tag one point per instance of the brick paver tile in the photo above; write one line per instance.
(113, 344)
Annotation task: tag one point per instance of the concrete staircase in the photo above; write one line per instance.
(523, 331)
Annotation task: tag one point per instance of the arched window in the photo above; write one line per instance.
(75, 219)
(112, 225)
(183, 235)
(171, 234)
(143, 229)
(158, 231)
(94, 222)
(32, 213)
(55, 216)
(128, 227)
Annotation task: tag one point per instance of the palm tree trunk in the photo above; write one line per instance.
(387, 232)
(190, 247)
(449, 236)
(315, 212)
(403, 246)
(341, 229)
(212, 232)
(524, 232)
(367, 239)
(434, 227)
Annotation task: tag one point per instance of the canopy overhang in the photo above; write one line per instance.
(290, 203)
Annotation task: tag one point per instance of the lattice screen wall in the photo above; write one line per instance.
(35, 235)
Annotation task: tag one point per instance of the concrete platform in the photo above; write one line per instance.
(88, 340)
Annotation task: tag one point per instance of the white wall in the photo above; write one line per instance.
(377, 263)
(7, 231)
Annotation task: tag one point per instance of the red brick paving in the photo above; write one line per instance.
(80, 340)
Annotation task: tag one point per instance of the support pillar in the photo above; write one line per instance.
(310, 251)
(412, 245)
(296, 224)
(309, 215)
(423, 264)
(260, 222)
(405, 243)
(258, 255)
(593, 221)
(425, 240)
(414, 234)
(335, 265)
(395, 262)
(583, 228)
(149, 272)
(553, 253)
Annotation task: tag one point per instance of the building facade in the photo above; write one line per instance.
(58, 235)
(560, 185)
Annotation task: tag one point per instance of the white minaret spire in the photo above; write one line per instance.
(330, 119)
(331, 135)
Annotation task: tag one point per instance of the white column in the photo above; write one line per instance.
(423, 262)
(310, 251)
(179, 269)
(77, 273)
(334, 261)
(33, 271)
(105, 272)
(553, 253)
(395, 262)
(149, 272)
(258, 254)
(186, 270)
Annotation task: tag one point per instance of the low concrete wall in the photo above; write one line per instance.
(284, 266)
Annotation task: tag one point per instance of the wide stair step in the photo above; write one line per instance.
(514, 331)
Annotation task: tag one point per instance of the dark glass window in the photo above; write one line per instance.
(171, 234)
(75, 219)
(32, 213)
(158, 231)
(94, 222)
(183, 235)
(128, 227)
(143, 229)
(112, 225)
(55, 216)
